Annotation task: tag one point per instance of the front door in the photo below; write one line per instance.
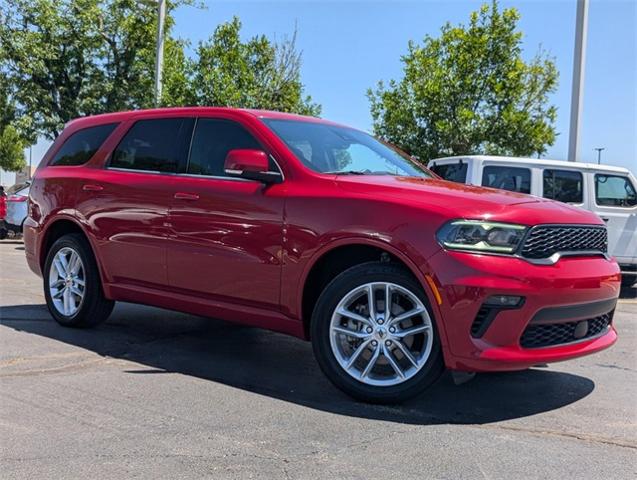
(226, 232)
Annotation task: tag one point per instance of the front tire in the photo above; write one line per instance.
(374, 353)
(72, 285)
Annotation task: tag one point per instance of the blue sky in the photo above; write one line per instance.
(349, 46)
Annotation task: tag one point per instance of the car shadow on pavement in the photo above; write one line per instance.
(283, 367)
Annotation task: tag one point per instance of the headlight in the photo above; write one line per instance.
(481, 236)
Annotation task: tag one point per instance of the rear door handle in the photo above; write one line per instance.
(186, 196)
(92, 188)
(606, 219)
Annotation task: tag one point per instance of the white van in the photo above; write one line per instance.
(610, 192)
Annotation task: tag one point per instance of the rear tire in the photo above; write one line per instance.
(72, 284)
(376, 357)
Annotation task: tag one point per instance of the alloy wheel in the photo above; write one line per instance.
(67, 281)
(381, 334)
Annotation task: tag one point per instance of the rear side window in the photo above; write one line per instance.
(212, 141)
(563, 186)
(82, 145)
(614, 191)
(157, 145)
(514, 179)
(454, 172)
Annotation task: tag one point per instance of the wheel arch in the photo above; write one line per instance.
(64, 225)
(342, 254)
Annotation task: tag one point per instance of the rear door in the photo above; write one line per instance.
(615, 201)
(227, 232)
(126, 204)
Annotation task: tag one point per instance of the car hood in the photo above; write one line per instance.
(457, 200)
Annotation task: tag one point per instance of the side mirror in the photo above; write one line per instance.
(250, 164)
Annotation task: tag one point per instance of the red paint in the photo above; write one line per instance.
(242, 250)
(250, 160)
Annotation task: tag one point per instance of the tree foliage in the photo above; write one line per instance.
(469, 92)
(253, 74)
(12, 142)
(68, 58)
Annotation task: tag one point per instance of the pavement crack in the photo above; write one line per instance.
(553, 433)
(616, 367)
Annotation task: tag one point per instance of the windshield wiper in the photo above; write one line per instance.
(357, 172)
(347, 172)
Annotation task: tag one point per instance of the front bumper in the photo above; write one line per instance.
(575, 287)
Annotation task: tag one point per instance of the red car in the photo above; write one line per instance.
(319, 231)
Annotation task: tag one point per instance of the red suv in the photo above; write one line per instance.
(319, 231)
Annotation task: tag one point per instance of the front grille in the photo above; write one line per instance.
(548, 335)
(545, 240)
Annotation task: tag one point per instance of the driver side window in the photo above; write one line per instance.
(211, 142)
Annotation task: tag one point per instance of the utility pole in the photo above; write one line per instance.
(159, 57)
(599, 154)
(577, 92)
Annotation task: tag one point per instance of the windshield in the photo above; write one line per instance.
(332, 149)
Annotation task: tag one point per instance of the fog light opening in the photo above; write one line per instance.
(509, 301)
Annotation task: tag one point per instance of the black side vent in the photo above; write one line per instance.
(479, 325)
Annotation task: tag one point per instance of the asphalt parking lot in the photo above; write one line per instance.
(158, 394)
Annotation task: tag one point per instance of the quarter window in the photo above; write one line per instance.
(614, 191)
(563, 186)
(454, 172)
(513, 179)
(212, 141)
(158, 145)
(82, 145)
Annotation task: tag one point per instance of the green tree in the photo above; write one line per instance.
(469, 92)
(257, 73)
(69, 58)
(12, 142)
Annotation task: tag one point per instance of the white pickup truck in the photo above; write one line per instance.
(610, 192)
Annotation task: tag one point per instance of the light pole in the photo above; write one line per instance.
(159, 56)
(577, 92)
(599, 154)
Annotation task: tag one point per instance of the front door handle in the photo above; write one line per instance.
(186, 196)
(92, 188)
(606, 219)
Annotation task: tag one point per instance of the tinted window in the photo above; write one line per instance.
(82, 145)
(507, 178)
(614, 191)
(327, 148)
(563, 185)
(154, 145)
(212, 141)
(454, 172)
